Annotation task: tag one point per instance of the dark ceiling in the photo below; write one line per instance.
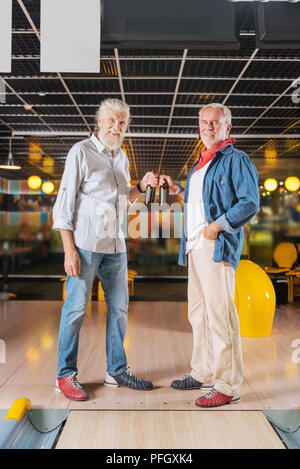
(164, 88)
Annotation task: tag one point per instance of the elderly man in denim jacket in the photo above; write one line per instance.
(220, 196)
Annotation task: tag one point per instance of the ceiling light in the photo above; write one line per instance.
(10, 162)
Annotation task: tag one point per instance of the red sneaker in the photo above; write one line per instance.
(215, 398)
(71, 388)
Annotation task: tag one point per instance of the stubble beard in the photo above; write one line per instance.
(209, 143)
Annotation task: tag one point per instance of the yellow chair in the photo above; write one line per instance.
(64, 292)
(292, 276)
(131, 277)
(255, 300)
(285, 255)
(100, 292)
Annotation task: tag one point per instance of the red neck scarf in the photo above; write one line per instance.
(208, 154)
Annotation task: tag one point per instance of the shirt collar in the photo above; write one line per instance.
(224, 149)
(99, 145)
(227, 147)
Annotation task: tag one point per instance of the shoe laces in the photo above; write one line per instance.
(211, 393)
(129, 373)
(187, 377)
(74, 381)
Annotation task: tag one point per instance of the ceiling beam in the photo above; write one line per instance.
(190, 127)
(142, 116)
(124, 100)
(119, 77)
(150, 77)
(73, 101)
(164, 58)
(29, 19)
(240, 76)
(148, 106)
(144, 93)
(173, 106)
(151, 135)
(177, 86)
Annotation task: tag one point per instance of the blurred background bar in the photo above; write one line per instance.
(42, 115)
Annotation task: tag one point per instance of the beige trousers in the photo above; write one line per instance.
(217, 353)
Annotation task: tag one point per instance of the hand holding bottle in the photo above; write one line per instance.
(174, 188)
(149, 179)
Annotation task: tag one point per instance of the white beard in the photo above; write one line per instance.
(112, 143)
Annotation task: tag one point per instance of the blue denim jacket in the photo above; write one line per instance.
(230, 196)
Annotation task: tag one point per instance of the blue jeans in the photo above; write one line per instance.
(112, 271)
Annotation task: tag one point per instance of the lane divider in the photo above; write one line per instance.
(12, 420)
(18, 409)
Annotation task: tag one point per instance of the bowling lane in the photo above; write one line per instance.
(158, 346)
(168, 430)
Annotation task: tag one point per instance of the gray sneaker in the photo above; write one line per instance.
(188, 382)
(127, 379)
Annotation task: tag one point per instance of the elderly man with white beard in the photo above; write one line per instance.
(95, 178)
(220, 196)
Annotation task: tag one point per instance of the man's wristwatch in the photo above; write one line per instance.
(138, 186)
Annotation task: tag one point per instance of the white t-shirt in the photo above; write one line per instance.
(196, 219)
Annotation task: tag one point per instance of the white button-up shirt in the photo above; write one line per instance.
(93, 197)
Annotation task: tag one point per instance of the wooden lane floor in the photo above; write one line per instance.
(168, 430)
(158, 346)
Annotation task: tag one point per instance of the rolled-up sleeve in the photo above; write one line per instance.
(129, 188)
(128, 191)
(63, 210)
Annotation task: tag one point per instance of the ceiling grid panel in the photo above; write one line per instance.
(253, 83)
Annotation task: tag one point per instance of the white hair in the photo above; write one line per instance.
(113, 103)
(225, 109)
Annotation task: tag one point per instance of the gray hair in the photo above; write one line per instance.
(225, 109)
(113, 103)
